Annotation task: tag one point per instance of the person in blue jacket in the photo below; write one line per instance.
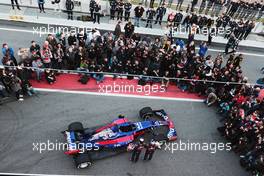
(203, 49)
(181, 43)
(7, 50)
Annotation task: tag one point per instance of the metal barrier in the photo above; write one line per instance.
(127, 75)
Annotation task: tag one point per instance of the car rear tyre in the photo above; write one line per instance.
(145, 113)
(83, 161)
(76, 127)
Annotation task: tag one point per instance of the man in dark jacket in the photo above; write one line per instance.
(231, 44)
(127, 7)
(150, 16)
(139, 10)
(92, 6)
(117, 31)
(161, 11)
(137, 150)
(120, 9)
(69, 7)
(113, 6)
(194, 3)
(178, 19)
(129, 29)
(97, 13)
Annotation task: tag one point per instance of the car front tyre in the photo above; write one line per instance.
(82, 161)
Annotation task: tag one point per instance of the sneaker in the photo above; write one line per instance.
(20, 99)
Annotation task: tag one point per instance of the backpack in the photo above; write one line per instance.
(84, 79)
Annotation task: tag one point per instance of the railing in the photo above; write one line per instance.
(129, 75)
(59, 13)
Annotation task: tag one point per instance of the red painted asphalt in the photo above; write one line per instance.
(118, 86)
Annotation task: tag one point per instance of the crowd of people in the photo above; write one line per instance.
(164, 60)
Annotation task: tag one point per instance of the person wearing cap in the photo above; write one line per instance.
(150, 149)
(137, 150)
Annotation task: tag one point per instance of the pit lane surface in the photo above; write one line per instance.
(39, 119)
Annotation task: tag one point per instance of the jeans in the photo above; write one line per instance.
(38, 73)
(137, 21)
(98, 77)
(2, 93)
(41, 7)
(31, 91)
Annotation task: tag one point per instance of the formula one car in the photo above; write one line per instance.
(89, 144)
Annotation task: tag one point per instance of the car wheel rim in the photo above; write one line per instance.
(147, 116)
(84, 165)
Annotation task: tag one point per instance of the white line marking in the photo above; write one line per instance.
(244, 53)
(118, 95)
(33, 174)
(34, 32)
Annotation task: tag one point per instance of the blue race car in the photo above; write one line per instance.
(89, 144)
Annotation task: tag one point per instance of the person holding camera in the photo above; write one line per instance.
(69, 7)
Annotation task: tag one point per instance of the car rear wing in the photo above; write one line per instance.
(72, 147)
(172, 134)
